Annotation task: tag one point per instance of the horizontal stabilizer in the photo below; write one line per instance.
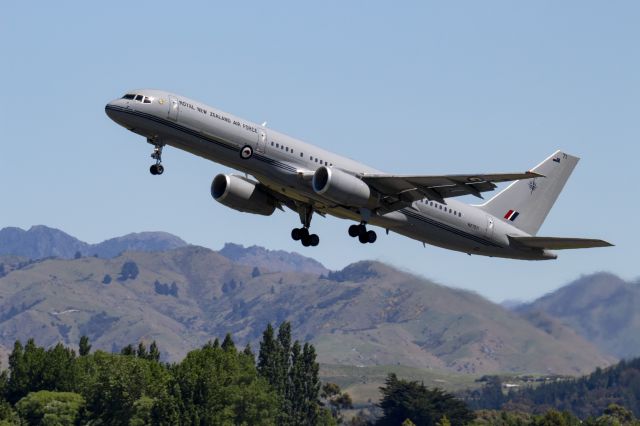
(556, 243)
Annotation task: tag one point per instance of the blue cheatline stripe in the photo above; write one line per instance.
(199, 135)
(513, 216)
(418, 216)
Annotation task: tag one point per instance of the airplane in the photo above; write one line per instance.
(287, 172)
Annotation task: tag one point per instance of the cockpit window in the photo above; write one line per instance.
(138, 98)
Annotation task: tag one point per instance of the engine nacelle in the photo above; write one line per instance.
(341, 187)
(242, 194)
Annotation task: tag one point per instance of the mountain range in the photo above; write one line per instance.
(602, 308)
(368, 314)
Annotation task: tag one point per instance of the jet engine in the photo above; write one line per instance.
(242, 194)
(341, 187)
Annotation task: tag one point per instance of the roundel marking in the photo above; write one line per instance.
(246, 152)
(474, 179)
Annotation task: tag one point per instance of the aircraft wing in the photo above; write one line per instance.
(402, 189)
(556, 243)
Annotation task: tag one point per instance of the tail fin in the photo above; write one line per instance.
(526, 203)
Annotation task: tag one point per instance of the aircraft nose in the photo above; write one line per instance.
(110, 109)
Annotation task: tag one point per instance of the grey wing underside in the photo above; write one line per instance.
(397, 189)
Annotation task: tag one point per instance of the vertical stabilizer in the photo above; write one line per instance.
(526, 203)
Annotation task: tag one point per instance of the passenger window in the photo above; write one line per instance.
(287, 149)
(302, 154)
(277, 145)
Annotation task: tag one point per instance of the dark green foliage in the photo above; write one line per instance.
(585, 397)
(129, 271)
(84, 347)
(256, 272)
(111, 385)
(106, 279)
(51, 408)
(213, 385)
(403, 400)
(32, 369)
(248, 351)
(227, 343)
(128, 350)
(292, 371)
(217, 386)
(336, 400)
(77, 255)
(166, 289)
(154, 352)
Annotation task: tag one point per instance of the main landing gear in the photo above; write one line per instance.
(363, 235)
(158, 168)
(302, 234)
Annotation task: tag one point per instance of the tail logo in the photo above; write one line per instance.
(533, 185)
(511, 215)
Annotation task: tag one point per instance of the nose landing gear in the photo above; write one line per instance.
(363, 235)
(157, 168)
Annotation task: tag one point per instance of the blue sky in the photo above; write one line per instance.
(407, 87)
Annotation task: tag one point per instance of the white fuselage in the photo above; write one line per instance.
(285, 164)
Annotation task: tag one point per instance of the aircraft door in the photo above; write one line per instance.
(174, 108)
(490, 226)
(262, 141)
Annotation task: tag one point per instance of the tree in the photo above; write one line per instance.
(106, 279)
(142, 351)
(129, 271)
(77, 255)
(268, 358)
(292, 370)
(249, 352)
(256, 272)
(84, 347)
(128, 350)
(154, 352)
(227, 343)
(51, 408)
(403, 400)
(112, 384)
(218, 386)
(336, 400)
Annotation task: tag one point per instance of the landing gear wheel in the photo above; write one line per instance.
(372, 237)
(363, 238)
(354, 231)
(296, 234)
(362, 229)
(314, 240)
(306, 240)
(158, 168)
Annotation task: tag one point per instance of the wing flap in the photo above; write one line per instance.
(558, 243)
(413, 188)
